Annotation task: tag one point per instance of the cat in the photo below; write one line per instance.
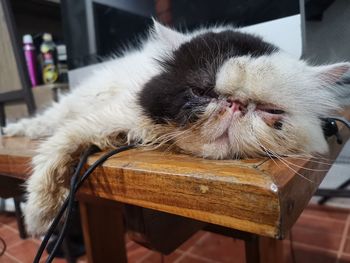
(216, 93)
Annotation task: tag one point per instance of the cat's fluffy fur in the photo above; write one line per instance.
(214, 93)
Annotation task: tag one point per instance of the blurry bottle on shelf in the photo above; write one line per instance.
(49, 60)
(62, 63)
(30, 57)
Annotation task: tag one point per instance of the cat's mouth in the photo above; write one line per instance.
(234, 110)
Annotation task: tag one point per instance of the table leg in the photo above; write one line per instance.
(19, 217)
(103, 232)
(252, 249)
(263, 250)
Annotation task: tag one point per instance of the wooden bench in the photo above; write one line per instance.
(258, 199)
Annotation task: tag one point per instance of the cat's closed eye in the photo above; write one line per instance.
(200, 92)
(197, 91)
(270, 109)
(274, 111)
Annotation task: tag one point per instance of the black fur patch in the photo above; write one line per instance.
(182, 91)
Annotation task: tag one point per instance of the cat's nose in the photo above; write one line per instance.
(236, 105)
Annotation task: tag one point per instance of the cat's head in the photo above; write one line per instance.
(225, 94)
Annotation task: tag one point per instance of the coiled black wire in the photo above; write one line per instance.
(75, 184)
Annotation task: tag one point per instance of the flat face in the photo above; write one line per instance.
(225, 94)
(190, 74)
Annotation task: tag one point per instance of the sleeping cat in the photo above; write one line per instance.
(215, 93)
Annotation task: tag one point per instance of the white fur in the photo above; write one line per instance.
(105, 105)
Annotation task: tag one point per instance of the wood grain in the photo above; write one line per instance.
(15, 156)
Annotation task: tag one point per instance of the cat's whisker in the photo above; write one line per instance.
(267, 152)
(303, 167)
(284, 162)
(308, 159)
(292, 169)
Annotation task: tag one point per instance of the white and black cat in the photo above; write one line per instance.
(215, 93)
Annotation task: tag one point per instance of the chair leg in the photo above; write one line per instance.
(252, 253)
(19, 217)
(2, 205)
(2, 118)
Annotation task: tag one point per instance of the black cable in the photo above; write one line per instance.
(2, 251)
(68, 203)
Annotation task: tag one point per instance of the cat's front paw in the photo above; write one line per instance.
(14, 129)
(31, 128)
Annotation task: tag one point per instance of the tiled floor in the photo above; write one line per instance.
(320, 235)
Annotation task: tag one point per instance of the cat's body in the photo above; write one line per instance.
(214, 93)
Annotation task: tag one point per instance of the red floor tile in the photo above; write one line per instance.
(310, 255)
(172, 257)
(321, 225)
(157, 258)
(219, 248)
(136, 253)
(6, 259)
(194, 259)
(326, 240)
(9, 235)
(324, 212)
(347, 246)
(24, 251)
(190, 242)
(344, 259)
(7, 218)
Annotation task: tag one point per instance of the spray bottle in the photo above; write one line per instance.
(29, 53)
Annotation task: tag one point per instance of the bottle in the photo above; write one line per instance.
(29, 54)
(49, 59)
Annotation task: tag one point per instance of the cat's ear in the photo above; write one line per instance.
(170, 37)
(332, 74)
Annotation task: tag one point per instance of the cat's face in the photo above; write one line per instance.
(226, 94)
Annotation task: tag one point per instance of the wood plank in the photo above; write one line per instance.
(15, 156)
(229, 193)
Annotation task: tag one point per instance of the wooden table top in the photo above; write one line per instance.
(260, 196)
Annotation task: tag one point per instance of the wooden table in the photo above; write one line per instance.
(261, 198)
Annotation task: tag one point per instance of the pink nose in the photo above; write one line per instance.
(235, 105)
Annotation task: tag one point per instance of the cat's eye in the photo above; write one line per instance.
(270, 108)
(197, 91)
(274, 111)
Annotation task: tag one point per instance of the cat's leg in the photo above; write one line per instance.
(42, 125)
(48, 185)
